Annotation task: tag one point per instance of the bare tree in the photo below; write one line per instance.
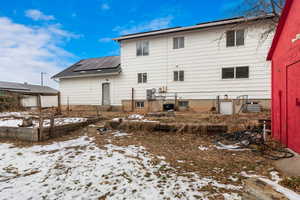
(261, 8)
(253, 8)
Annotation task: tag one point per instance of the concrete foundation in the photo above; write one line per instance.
(21, 133)
(192, 128)
(194, 105)
(35, 134)
(256, 189)
(289, 166)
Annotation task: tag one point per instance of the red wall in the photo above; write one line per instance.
(286, 53)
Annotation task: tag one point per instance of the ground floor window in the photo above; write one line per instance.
(235, 72)
(183, 104)
(140, 104)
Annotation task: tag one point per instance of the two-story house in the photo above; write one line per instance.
(213, 65)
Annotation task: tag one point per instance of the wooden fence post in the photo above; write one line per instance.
(41, 121)
(58, 103)
(51, 125)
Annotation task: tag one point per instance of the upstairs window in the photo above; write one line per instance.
(228, 73)
(142, 77)
(178, 42)
(142, 48)
(235, 38)
(242, 72)
(235, 72)
(178, 75)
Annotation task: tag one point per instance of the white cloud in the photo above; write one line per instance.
(154, 24)
(105, 6)
(38, 15)
(27, 51)
(105, 40)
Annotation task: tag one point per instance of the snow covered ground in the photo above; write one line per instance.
(78, 169)
(14, 114)
(11, 122)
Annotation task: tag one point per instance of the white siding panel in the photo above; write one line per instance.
(202, 59)
(49, 101)
(29, 101)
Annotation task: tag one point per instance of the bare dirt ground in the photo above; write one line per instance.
(171, 165)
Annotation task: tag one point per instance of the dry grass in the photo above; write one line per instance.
(291, 182)
(182, 152)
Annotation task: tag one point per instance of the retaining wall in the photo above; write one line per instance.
(35, 134)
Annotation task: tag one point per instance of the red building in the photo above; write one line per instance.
(285, 57)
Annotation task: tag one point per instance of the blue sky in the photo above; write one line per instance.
(49, 35)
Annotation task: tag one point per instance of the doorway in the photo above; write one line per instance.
(293, 106)
(105, 94)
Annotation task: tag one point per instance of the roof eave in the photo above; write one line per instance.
(88, 75)
(195, 27)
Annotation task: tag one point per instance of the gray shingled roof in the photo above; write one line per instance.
(222, 22)
(92, 67)
(26, 88)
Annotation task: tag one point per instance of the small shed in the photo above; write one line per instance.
(32, 96)
(285, 57)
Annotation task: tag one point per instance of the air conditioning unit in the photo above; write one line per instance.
(150, 94)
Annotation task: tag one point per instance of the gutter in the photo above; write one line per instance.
(86, 75)
(195, 27)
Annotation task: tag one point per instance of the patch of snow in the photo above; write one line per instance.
(291, 195)
(116, 119)
(234, 179)
(78, 169)
(286, 192)
(180, 161)
(230, 196)
(229, 147)
(120, 134)
(11, 122)
(203, 148)
(14, 114)
(135, 116)
(161, 157)
(275, 176)
(143, 120)
(63, 121)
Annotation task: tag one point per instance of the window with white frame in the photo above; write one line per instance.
(184, 104)
(139, 104)
(178, 75)
(235, 38)
(142, 48)
(235, 72)
(178, 42)
(142, 77)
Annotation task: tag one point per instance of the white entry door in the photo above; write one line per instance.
(106, 94)
(226, 108)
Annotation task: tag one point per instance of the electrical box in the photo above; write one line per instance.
(150, 94)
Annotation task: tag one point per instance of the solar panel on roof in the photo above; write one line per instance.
(98, 63)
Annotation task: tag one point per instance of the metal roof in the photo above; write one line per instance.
(195, 27)
(92, 67)
(26, 88)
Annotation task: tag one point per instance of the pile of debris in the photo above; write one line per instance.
(254, 139)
